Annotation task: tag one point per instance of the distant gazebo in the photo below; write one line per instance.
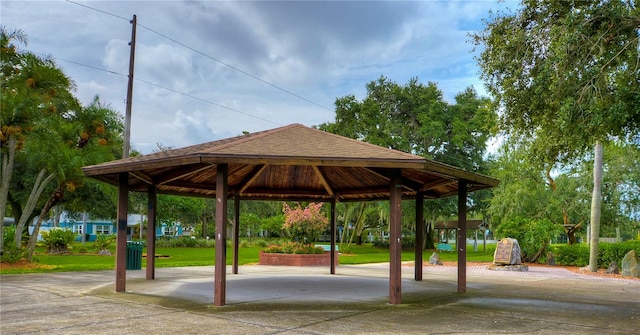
(291, 163)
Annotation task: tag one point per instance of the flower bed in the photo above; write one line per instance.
(297, 259)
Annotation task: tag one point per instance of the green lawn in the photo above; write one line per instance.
(176, 257)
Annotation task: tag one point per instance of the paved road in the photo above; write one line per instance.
(294, 300)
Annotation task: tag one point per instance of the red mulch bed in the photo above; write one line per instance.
(600, 273)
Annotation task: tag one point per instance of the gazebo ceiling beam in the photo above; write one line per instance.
(470, 189)
(255, 173)
(142, 176)
(436, 183)
(323, 180)
(287, 192)
(386, 174)
(182, 172)
(186, 185)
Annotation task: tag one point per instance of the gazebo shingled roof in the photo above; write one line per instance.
(293, 162)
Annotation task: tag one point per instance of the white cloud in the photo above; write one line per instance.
(317, 50)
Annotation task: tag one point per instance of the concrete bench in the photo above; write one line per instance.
(444, 247)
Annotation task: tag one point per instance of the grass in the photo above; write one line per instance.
(178, 257)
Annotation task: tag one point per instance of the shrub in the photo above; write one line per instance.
(304, 224)
(408, 241)
(58, 240)
(103, 243)
(533, 235)
(572, 255)
(381, 243)
(11, 253)
(261, 243)
(293, 248)
(405, 242)
(578, 254)
(184, 242)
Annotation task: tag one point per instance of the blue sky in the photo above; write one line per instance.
(208, 70)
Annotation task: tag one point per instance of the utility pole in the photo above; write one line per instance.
(127, 118)
(123, 180)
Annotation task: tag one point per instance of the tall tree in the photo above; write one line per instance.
(47, 136)
(34, 91)
(566, 73)
(415, 118)
(528, 189)
(85, 136)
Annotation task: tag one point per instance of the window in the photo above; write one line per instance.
(77, 228)
(169, 231)
(103, 229)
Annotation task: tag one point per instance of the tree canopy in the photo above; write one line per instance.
(415, 118)
(566, 74)
(46, 136)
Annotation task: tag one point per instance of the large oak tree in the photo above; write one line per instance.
(567, 74)
(415, 118)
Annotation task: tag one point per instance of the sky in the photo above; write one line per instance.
(208, 70)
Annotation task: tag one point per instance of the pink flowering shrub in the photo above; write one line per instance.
(304, 224)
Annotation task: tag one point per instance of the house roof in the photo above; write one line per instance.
(293, 162)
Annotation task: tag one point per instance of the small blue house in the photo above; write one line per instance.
(92, 227)
(165, 230)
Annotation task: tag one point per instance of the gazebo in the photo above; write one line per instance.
(293, 162)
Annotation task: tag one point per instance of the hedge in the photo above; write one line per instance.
(578, 254)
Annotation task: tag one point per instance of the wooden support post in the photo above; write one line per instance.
(236, 232)
(333, 236)
(121, 237)
(419, 235)
(151, 231)
(461, 243)
(220, 287)
(395, 244)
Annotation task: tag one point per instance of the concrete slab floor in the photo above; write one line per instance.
(296, 300)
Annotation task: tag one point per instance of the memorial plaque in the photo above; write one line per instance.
(503, 252)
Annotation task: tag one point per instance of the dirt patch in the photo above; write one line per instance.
(24, 265)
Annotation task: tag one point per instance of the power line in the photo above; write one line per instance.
(209, 57)
(171, 90)
(98, 10)
(234, 68)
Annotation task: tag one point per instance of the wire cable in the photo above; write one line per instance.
(208, 56)
(171, 90)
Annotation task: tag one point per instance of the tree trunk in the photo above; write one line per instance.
(56, 196)
(204, 224)
(6, 162)
(36, 192)
(429, 236)
(359, 227)
(570, 230)
(596, 203)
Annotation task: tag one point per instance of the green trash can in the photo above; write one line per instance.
(134, 255)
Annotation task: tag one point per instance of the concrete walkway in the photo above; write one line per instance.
(296, 300)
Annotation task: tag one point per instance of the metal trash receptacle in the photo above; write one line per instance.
(134, 255)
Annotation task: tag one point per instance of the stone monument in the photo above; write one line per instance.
(508, 256)
(435, 259)
(630, 265)
(613, 269)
